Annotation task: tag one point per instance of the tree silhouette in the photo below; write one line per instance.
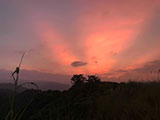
(78, 79)
(93, 79)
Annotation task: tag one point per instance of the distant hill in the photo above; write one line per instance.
(10, 87)
(43, 85)
(46, 85)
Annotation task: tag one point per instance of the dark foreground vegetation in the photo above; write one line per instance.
(89, 99)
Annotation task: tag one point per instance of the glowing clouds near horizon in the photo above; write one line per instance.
(100, 49)
(105, 35)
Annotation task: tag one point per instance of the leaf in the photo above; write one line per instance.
(29, 83)
(19, 115)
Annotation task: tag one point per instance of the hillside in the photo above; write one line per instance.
(9, 87)
(94, 101)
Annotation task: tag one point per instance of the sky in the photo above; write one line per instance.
(102, 37)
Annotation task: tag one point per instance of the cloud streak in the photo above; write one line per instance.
(110, 36)
(78, 63)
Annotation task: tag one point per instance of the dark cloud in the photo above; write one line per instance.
(137, 74)
(122, 71)
(78, 63)
(148, 72)
(149, 67)
(115, 72)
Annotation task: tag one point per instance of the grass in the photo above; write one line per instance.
(12, 115)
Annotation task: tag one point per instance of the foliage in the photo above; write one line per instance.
(78, 79)
(12, 114)
(94, 100)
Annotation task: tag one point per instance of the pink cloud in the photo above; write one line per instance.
(104, 31)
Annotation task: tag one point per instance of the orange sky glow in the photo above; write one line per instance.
(103, 35)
